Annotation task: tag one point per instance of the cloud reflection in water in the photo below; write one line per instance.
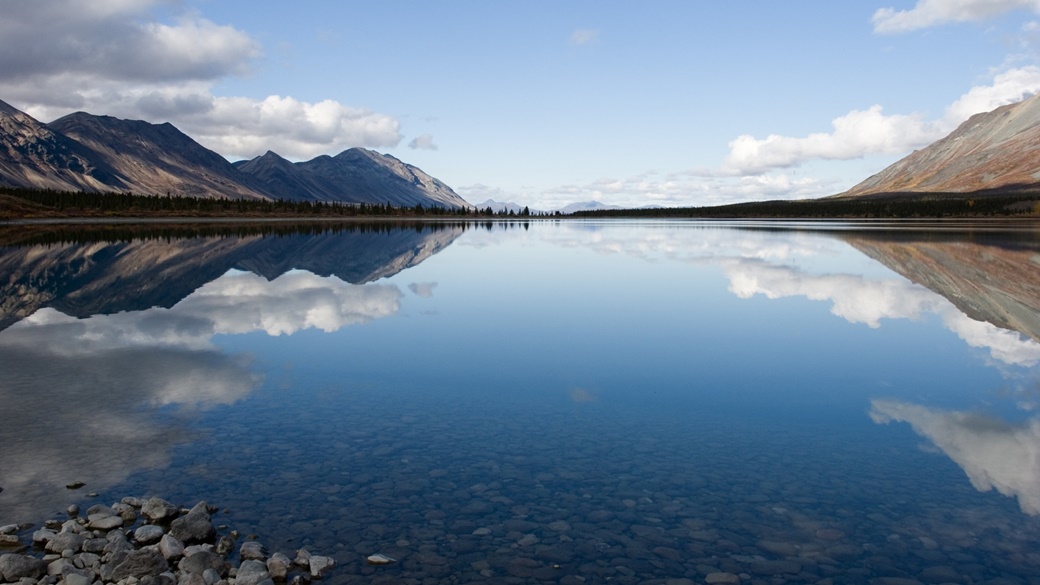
(994, 454)
(87, 389)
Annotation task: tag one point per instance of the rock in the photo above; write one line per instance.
(559, 526)
(320, 566)
(379, 559)
(170, 547)
(225, 545)
(9, 529)
(303, 558)
(722, 579)
(251, 572)
(148, 534)
(300, 580)
(211, 576)
(65, 541)
(158, 509)
(195, 526)
(140, 563)
(73, 510)
(191, 579)
(101, 522)
(126, 512)
(14, 567)
(10, 541)
(202, 560)
(43, 536)
(75, 485)
(252, 550)
(775, 567)
(278, 566)
(77, 579)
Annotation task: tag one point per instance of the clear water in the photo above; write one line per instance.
(612, 402)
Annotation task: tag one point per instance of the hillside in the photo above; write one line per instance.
(995, 151)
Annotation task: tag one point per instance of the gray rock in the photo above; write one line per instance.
(170, 547)
(303, 558)
(225, 545)
(10, 541)
(94, 545)
(252, 550)
(722, 579)
(140, 563)
(148, 534)
(191, 579)
(320, 566)
(278, 566)
(57, 566)
(202, 560)
(158, 509)
(132, 501)
(77, 579)
(8, 529)
(126, 512)
(251, 572)
(43, 535)
(775, 567)
(195, 526)
(161, 579)
(104, 522)
(211, 576)
(65, 541)
(14, 567)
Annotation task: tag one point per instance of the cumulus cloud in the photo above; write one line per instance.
(584, 36)
(861, 133)
(423, 142)
(116, 58)
(928, 13)
(992, 453)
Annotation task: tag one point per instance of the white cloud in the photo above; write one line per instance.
(115, 58)
(584, 36)
(992, 453)
(865, 132)
(928, 13)
(423, 142)
(423, 289)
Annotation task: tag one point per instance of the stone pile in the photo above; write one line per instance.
(147, 542)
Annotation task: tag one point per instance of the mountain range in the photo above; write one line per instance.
(84, 152)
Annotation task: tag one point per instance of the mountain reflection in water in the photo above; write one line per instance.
(627, 401)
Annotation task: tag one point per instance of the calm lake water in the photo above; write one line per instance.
(543, 402)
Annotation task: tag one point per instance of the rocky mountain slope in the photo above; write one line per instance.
(364, 175)
(100, 153)
(998, 150)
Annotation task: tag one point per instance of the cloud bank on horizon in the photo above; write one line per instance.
(573, 108)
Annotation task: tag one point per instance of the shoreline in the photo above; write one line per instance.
(147, 542)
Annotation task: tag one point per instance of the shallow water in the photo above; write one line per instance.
(547, 402)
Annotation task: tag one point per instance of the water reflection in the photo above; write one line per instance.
(82, 396)
(993, 453)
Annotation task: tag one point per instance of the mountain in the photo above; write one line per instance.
(586, 206)
(33, 155)
(991, 151)
(357, 175)
(85, 152)
(156, 159)
(506, 206)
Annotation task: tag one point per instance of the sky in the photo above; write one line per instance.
(670, 103)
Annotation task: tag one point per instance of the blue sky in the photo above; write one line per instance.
(541, 103)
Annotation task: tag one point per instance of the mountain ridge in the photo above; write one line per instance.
(87, 152)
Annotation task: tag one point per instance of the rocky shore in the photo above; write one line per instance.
(147, 542)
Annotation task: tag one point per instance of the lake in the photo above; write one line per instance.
(545, 401)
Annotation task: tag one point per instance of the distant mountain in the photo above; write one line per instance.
(506, 206)
(100, 153)
(586, 206)
(362, 175)
(156, 159)
(995, 150)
